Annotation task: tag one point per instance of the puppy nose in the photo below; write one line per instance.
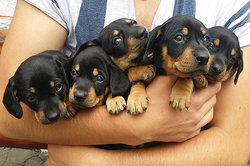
(52, 115)
(202, 57)
(216, 68)
(79, 96)
(142, 33)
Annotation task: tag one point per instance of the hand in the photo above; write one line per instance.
(162, 123)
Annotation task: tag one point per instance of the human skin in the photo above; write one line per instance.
(38, 32)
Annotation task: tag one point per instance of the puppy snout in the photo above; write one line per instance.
(201, 57)
(142, 33)
(216, 68)
(80, 96)
(52, 115)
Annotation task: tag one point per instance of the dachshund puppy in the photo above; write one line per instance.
(227, 57)
(124, 41)
(41, 83)
(93, 76)
(179, 47)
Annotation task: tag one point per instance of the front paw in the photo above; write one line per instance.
(115, 105)
(149, 73)
(200, 82)
(179, 101)
(137, 103)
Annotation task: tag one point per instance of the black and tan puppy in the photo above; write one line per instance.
(41, 83)
(93, 76)
(227, 57)
(124, 41)
(179, 47)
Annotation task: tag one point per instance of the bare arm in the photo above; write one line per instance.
(225, 143)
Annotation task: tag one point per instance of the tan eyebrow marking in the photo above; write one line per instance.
(77, 67)
(115, 32)
(158, 33)
(184, 31)
(52, 84)
(203, 31)
(32, 90)
(217, 42)
(233, 52)
(95, 72)
(128, 21)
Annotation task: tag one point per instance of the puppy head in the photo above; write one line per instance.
(179, 47)
(39, 82)
(227, 55)
(92, 76)
(124, 41)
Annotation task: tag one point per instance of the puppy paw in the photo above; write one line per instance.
(115, 105)
(179, 101)
(70, 113)
(200, 82)
(137, 103)
(180, 97)
(149, 73)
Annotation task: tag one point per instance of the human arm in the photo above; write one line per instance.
(226, 142)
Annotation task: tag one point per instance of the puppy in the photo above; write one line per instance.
(179, 47)
(124, 41)
(41, 83)
(227, 57)
(93, 76)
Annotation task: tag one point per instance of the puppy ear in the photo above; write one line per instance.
(239, 66)
(10, 100)
(153, 36)
(63, 70)
(119, 82)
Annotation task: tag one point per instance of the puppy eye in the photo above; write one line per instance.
(117, 41)
(133, 22)
(99, 78)
(206, 39)
(178, 38)
(58, 87)
(74, 72)
(210, 46)
(31, 98)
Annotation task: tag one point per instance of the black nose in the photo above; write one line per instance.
(52, 115)
(142, 33)
(79, 96)
(217, 68)
(202, 57)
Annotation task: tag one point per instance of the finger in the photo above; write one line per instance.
(206, 119)
(199, 97)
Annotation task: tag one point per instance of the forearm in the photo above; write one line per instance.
(211, 147)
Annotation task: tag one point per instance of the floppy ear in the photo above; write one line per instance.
(119, 82)
(10, 101)
(239, 66)
(63, 68)
(153, 35)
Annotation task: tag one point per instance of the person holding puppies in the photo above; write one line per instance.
(44, 25)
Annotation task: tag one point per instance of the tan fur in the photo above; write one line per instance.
(200, 81)
(40, 116)
(180, 97)
(91, 43)
(77, 67)
(128, 21)
(185, 31)
(95, 72)
(141, 73)
(203, 31)
(125, 61)
(158, 33)
(52, 84)
(233, 52)
(115, 105)
(115, 32)
(137, 99)
(217, 42)
(32, 90)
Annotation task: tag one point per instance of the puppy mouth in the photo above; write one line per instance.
(140, 46)
(86, 104)
(190, 69)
